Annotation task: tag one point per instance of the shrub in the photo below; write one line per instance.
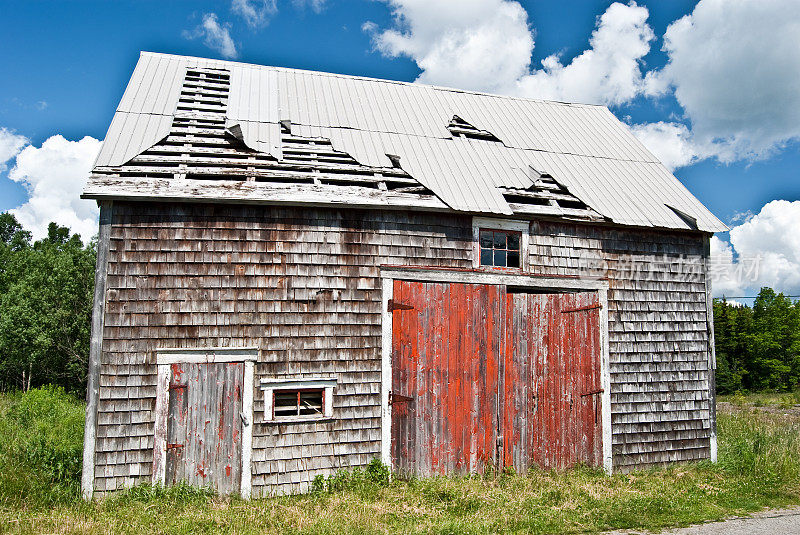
(372, 477)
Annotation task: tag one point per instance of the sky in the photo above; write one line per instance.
(711, 87)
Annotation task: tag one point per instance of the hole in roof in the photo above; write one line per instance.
(458, 127)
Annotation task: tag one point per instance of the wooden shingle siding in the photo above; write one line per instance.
(658, 334)
(302, 285)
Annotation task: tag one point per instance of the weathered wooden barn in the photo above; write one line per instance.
(299, 272)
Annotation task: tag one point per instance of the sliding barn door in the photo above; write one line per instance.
(446, 353)
(204, 425)
(485, 377)
(552, 414)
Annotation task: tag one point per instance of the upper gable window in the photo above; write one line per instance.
(499, 243)
(499, 248)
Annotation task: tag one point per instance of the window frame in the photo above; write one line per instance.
(298, 392)
(501, 225)
(273, 386)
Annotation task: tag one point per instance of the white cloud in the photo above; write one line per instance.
(215, 35)
(471, 44)
(487, 45)
(725, 279)
(10, 145)
(734, 66)
(672, 143)
(767, 252)
(316, 5)
(256, 13)
(54, 175)
(609, 72)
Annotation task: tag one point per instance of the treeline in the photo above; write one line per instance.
(758, 347)
(46, 290)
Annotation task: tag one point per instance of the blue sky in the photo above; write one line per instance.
(66, 65)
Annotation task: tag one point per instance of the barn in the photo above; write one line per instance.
(299, 272)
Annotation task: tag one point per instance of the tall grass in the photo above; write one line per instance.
(41, 447)
(759, 466)
(760, 445)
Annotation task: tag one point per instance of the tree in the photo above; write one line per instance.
(45, 307)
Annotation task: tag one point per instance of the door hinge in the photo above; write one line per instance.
(395, 305)
(174, 446)
(580, 309)
(593, 392)
(177, 386)
(399, 398)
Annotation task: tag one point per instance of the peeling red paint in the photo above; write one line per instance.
(493, 378)
(204, 416)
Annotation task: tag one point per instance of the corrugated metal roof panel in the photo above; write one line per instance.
(584, 147)
(131, 134)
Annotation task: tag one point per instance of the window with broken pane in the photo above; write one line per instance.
(500, 248)
(307, 402)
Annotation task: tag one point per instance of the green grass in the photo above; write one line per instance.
(759, 467)
(41, 446)
(763, 399)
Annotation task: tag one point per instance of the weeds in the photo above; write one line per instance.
(372, 477)
(41, 448)
(759, 466)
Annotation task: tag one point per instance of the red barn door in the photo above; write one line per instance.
(446, 352)
(482, 377)
(552, 415)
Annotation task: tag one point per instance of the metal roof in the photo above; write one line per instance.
(583, 147)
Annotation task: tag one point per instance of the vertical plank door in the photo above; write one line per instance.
(445, 352)
(204, 425)
(552, 415)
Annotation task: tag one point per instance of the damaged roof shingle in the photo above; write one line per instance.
(485, 169)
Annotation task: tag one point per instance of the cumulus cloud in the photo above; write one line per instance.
(672, 143)
(487, 45)
(54, 175)
(609, 72)
(727, 277)
(763, 251)
(734, 67)
(256, 13)
(10, 145)
(471, 44)
(215, 36)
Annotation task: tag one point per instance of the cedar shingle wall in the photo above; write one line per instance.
(302, 285)
(658, 339)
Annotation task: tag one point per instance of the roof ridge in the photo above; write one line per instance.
(382, 80)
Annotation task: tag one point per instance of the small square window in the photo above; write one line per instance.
(298, 402)
(500, 248)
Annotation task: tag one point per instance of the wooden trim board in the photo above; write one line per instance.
(206, 355)
(712, 356)
(96, 350)
(386, 371)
